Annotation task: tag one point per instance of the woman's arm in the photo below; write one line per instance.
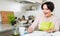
(33, 26)
(57, 24)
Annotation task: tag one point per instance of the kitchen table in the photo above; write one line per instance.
(40, 33)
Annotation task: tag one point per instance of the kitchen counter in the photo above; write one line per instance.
(5, 27)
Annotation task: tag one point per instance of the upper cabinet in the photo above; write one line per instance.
(30, 5)
(34, 1)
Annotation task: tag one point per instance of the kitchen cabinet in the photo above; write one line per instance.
(34, 1)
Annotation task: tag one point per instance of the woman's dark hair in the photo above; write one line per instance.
(49, 4)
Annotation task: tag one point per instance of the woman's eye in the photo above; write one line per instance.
(45, 9)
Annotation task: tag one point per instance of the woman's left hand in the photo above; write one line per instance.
(50, 30)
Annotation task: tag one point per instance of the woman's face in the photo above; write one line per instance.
(46, 11)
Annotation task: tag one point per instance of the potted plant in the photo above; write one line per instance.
(11, 18)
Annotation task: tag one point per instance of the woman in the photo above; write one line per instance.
(47, 22)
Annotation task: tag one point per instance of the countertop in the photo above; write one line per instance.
(5, 27)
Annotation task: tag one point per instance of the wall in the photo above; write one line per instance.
(57, 7)
(11, 6)
(35, 13)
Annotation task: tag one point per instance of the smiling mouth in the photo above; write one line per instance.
(45, 13)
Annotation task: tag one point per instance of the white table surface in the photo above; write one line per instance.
(40, 33)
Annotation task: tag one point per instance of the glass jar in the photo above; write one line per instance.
(15, 31)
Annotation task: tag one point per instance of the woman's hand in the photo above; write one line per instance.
(30, 30)
(50, 30)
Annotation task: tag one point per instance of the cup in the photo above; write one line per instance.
(21, 30)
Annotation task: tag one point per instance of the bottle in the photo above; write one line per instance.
(15, 31)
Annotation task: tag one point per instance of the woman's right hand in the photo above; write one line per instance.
(30, 30)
